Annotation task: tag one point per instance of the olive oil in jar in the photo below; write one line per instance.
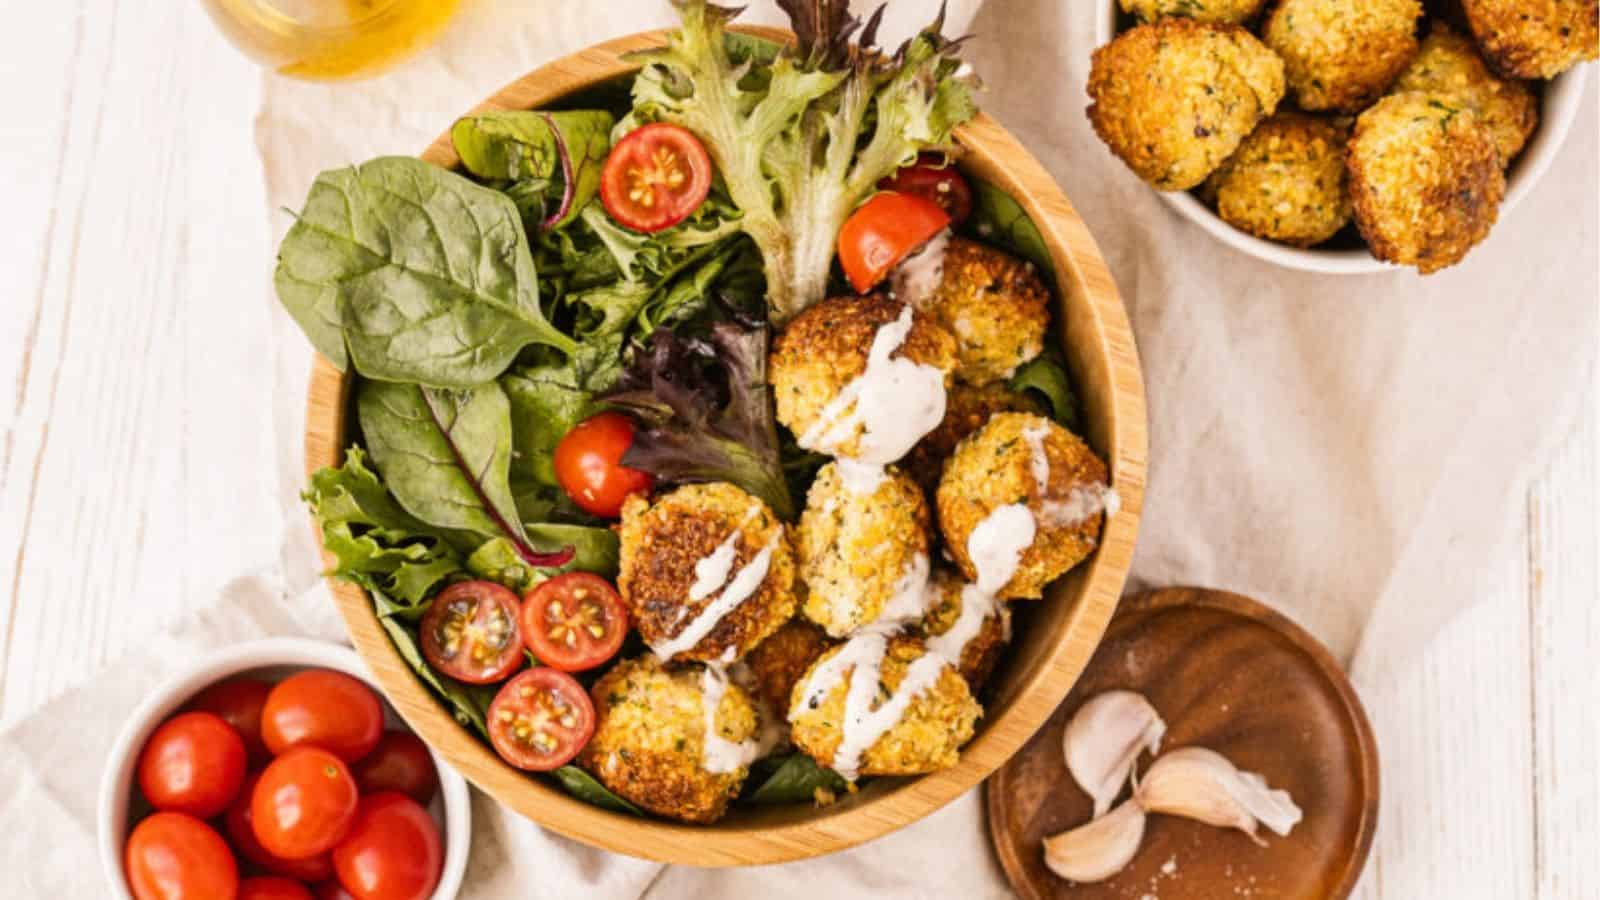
(330, 39)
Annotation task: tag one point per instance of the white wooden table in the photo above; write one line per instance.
(136, 261)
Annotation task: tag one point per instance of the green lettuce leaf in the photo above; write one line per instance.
(548, 162)
(999, 220)
(1047, 375)
(790, 779)
(582, 785)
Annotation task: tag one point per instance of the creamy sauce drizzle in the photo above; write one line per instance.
(711, 574)
(1083, 502)
(976, 607)
(916, 279)
(908, 602)
(996, 545)
(718, 754)
(865, 722)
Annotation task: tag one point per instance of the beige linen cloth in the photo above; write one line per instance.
(1346, 449)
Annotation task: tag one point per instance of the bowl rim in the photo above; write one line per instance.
(116, 779)
(1087, 293)
(1559, 105)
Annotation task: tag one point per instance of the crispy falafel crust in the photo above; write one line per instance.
(966, 409)
(1535, 38)
(1342, 54)
(996, 307)
(778, 662)
(1449, 64)
(983, 651)
(1236, 12)
(1286, 183)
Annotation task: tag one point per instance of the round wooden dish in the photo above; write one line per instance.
(1060, 633)
(1230, 674)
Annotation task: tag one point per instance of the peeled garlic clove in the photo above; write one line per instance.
(1100, 849)
(1203, 785)
(1104, 739)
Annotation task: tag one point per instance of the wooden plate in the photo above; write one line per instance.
(1227, 673)
(1054, 641)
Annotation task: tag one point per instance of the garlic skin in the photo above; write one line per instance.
(1203, 785)
(1099, 849)
(1104, 739)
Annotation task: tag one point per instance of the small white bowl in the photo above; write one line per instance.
(271, 659)
(1559, 106)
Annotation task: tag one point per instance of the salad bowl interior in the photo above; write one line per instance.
(1055, 637)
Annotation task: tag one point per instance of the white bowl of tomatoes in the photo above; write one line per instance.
(273, 770)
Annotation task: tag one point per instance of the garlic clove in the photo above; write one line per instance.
(1104, 739)
(1203, 785)
(1098, 849)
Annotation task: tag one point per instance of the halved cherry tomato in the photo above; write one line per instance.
(471, 634)
(589, 464)
(401, 762)
(574, 621)
(174, 856)
(655, 177)
(883, 231)
(239, 702)
(540, 720)
(303, 804)
(194, 763)
(323, 708)
(271, 887)
(393, 851)
(242, 834)
(935, 178)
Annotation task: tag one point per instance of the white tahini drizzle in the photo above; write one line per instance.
(718, 754)
(895, 401)
(976, 607)
(916, 279)
(865, 722)
(996, 545)
(711, 574)
(908, 600)
(1084, 501)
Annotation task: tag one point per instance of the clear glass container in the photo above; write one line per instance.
(330, 39)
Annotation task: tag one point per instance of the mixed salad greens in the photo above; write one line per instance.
(487, 312)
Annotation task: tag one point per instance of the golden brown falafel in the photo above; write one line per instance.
(1173, 99)
(995, 306)
(1286, 183)
(982, 650)
(1425, 180)
(1449, 65)
(966, 410)
(1535, 38)
(649, 739)
(664, 543)
(1022, 462)
(1236, 12)
(777, 663)
(1342, 54)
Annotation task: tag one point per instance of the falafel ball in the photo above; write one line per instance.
(966, 409)
(681, 556)
(1342, 54)
(1286, 183)
(826, 347)
(777, 663)
(1236, 12)
(981, 643)
(1449, 65)
(1535, 38)
(929, 734)
(1425, 179)
(1174, 98)
(650, 737)
(992, 302)
(863, 550)
(1020, 503)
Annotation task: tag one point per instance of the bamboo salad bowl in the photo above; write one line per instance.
(1055, 637)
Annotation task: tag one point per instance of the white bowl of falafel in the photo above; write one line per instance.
(1340, 136)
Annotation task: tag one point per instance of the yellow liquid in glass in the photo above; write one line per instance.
(331, 39)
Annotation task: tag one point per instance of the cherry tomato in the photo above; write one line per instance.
(935, 178)
(322, 708)
(401, 763)
(589, 464)
(273, 888)
(242, 834)
(303, 804)
(883, 231)
(540, 720)
(655, 177)
(574, 621)
(194, 764)
(471, 632)
(393, 851)
(174, 856)
(332, 890)
(239, 702)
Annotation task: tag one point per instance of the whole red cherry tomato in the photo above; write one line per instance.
(303, 804)
(242, 834)
(194, 763)
(331, 890)
(574, 621)
(174, 856)
(271, 887)
(392, 852)
(239, 702)
(934, 177)
(323, 708)
(540, 720)
(401, 763)
(655, 177)
(471, 632)
(589, 464)
(883, 231)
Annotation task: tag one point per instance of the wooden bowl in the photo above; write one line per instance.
(1060, 631)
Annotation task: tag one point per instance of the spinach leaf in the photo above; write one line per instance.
(468, 703)
(793, 779)
(556, 157)
(545, 402)
(594, 550)
(446, 455)
(1000, 220)
(1047, 375)
(411, 273)
(582, 785)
